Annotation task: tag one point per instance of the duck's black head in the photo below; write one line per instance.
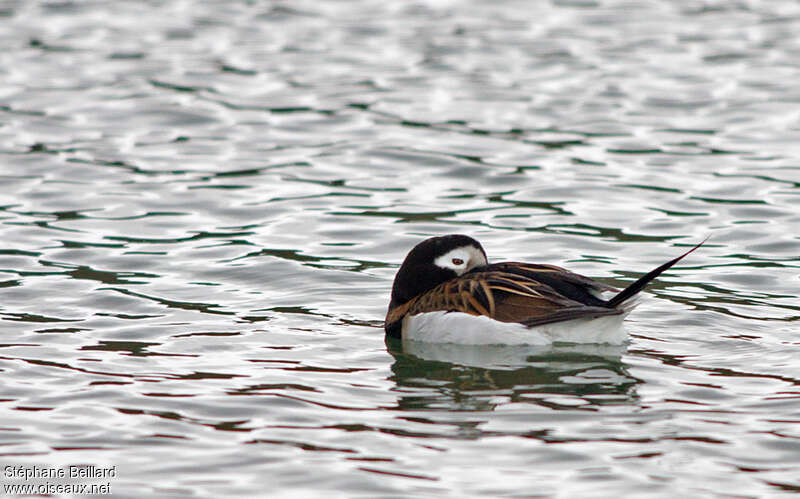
(434, 261)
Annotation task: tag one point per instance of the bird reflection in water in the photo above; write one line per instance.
(455, 377)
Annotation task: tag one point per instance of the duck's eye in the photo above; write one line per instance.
(457, 261)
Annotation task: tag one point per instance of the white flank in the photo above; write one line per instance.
(465, 329)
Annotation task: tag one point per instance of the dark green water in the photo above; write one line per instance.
(203, 204)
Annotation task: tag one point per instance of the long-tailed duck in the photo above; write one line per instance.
(447, 292)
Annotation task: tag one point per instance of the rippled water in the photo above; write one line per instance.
(203, 205)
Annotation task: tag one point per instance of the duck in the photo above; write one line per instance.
(446, 291)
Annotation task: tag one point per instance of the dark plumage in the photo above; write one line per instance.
(430, 280)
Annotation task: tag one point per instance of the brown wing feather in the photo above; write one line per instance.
(561, 274)
(507, 293)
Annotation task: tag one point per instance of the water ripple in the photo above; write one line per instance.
(203, 214)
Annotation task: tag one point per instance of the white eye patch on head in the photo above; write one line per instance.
(461, 259)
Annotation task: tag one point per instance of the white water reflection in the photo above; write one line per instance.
(203, 205)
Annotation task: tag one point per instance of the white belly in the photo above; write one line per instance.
(465, 329)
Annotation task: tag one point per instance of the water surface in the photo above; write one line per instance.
(203, 206)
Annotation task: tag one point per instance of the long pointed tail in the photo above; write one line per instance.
(641, 282)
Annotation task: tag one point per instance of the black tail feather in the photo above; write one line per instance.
(643, 281)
